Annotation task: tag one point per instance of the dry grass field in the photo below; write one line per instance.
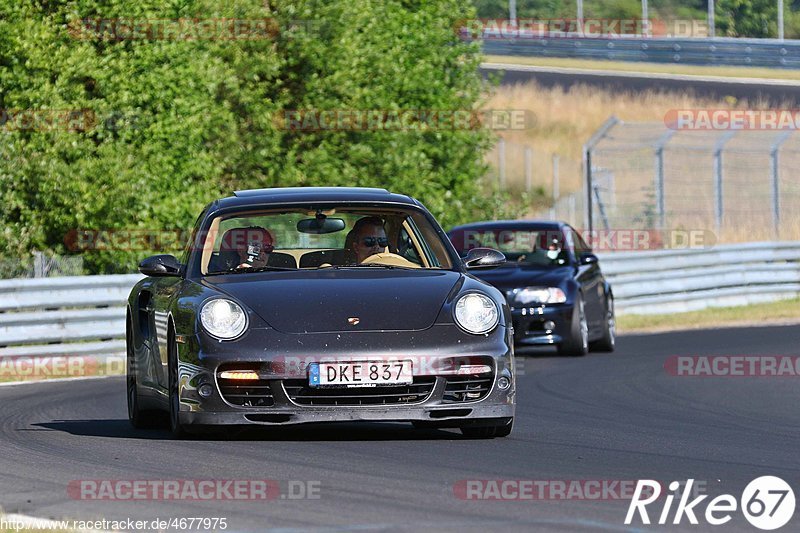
(566, 119)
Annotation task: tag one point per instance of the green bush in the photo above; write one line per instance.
(181, 122)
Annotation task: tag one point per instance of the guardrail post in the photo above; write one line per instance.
(38, 264)
(587, 168)
(601, 208)
(556, 184)
(587, 171)
(571, 204)
(718, 193)
(528, 168)
(711, 24)
(646, 27)
(775, 175)
(659, 185)
(501, 162)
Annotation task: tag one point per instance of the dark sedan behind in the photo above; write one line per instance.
(552, 282)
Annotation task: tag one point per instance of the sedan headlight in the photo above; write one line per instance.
(223, 319)
(539, 295)
(476, 313)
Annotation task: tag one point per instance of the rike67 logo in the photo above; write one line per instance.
(767, 503)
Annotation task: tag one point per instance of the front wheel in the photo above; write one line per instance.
(577, 341)
(138, 418)
(489, 432)
(608, 341)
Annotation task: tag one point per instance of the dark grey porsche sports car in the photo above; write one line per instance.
(306, 305)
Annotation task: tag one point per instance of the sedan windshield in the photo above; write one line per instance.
(324, 237)
(534, 247)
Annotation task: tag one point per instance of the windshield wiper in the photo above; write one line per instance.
(382, 265)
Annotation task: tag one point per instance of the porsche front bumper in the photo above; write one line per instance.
(281, 395)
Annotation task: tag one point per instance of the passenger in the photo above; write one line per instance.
(245, 248)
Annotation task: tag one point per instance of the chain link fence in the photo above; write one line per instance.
(740, 184)
(520, 167)
(737, 185)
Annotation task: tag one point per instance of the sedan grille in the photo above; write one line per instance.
(467, 388)
(300, 393)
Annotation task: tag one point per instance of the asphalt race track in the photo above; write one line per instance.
(614, 416)
(777, 93)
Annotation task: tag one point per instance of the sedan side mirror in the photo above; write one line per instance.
(160, 265)
(484, 258)
(589, 259)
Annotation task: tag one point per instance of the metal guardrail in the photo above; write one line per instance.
(85, 315)
(672, 281)
(75, 315)
(692, 51)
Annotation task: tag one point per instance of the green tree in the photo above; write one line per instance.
(180, 122)
(747, 18)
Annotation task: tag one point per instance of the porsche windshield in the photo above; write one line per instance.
(534, 247)
(327, 237)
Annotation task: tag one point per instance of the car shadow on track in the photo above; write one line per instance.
(321, 432)
(536, 351)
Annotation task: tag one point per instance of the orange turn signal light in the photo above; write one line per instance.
(238, 374)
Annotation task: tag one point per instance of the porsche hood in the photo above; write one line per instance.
(342, 300)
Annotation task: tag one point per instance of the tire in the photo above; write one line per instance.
(139, 418)
(608, 341)
(577, 343)
(489, 432)
(177, 429)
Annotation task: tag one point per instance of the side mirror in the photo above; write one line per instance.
(484, 258)
(588, 259)
(160, 265)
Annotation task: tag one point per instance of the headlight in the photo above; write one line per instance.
(476, 313)
(539, 295)
(223, 319)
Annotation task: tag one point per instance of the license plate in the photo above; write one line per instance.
(360, 374)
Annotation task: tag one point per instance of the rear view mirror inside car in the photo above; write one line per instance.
(320, 225)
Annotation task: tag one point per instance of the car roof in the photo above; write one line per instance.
(302, 195)
(512, 225)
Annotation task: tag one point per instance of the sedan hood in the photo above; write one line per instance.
(326, 300)
(513, 276)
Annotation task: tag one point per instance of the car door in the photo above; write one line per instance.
(589, 277)
(164, 290)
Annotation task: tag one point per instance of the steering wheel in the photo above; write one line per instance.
(388, 258)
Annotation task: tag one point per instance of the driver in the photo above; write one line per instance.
(554, 252)
(368, 237)
(246, 247)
